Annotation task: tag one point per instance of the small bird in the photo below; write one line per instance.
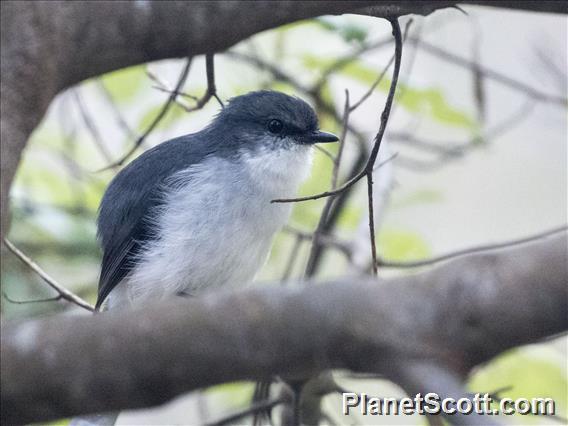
(194, 213)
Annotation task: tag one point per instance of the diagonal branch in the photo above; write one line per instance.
(210, 92)
(157, 119)
(62, 291)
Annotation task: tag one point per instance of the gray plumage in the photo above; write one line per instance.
(194, 212)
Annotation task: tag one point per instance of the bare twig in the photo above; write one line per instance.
(471, 250)
(62, 291)
(347, 59)
(90, 125)
(25, 302)
(316, 245)
(163, 86)
(120, 120)
(210, 92)
(368, 170)
(324, 239)
(378, 138)
(372, 221)
(380, 78)
(158, 119)
(345, 123)
(384, 119)
(292, 259)
(325, 152)
(252, 409)
(551, 67)
(492, 74)
(446, 151)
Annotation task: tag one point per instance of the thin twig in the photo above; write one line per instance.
(372, 221)
(210, 92)
(327, 240)
(325, 152)
(158, 119)
(254, 408)
(62, 291)
(378, 138)
(494, 75)
(163, 86)
(373, 86)
(552, 68)
(291, 259)
(316, 245)
(381, 76)
(471, 250)
(346, 111)
(457, 151)
(346, 60)
(121, 121)
(384, 119)
(330, 193)
(25, 302)
(90, 125)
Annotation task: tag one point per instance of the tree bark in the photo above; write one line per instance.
(446, 320)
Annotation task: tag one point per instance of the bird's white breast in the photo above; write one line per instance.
(217, 224)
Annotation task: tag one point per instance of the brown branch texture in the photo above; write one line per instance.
(448, 320)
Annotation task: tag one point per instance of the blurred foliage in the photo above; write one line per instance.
(125, 84)
(348, 31)
(429, 102)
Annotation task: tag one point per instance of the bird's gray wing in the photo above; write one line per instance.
(125, 222)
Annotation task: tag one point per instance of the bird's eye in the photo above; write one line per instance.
(275, 126)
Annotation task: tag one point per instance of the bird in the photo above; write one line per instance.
(194, 213)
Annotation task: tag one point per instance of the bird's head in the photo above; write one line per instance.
(269, 120)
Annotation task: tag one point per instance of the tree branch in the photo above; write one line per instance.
(470, 250)
(453, 317)
(170, 101)
(62, 291)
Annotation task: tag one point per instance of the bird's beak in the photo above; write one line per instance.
(322, 137)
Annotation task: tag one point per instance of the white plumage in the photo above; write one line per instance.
(227, 198)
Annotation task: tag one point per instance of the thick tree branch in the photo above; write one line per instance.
(453, 317)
